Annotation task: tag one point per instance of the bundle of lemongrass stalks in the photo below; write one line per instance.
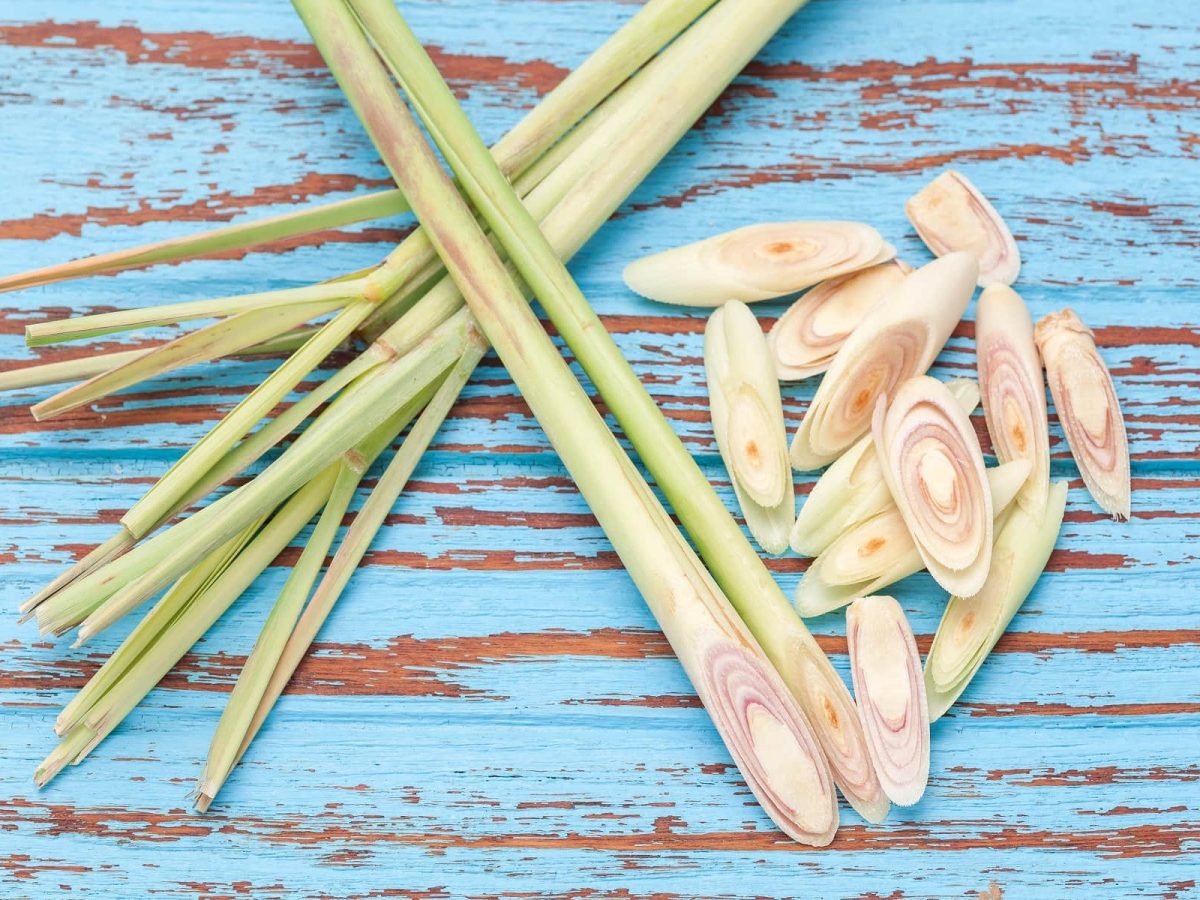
(907, 488)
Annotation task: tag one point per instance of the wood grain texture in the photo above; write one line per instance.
(491, 712)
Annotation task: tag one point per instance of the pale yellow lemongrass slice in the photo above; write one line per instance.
(950, 214)
(1014, 395)
(890, 694)
(757, 262)
(852, 489)
(747, 416)
(1087, 407)
(898, 339)
(933, 465)
(880, 551)
(970, 627)
(808, 336)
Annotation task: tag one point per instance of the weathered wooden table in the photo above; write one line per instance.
(492, 711)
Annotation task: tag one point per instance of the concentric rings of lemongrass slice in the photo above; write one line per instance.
(1087, 407)
(757, 262)
(951, 214)
(934, 468)
(806, 338)
(890, 693)
(1014, 395)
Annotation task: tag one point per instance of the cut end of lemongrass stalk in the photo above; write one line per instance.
(68, 752)
(1014, 395)
(95, 558)
(757, 262)
(898, 339)
(933, 466)
(807, 337)
(971, 626)
(950, 214)
(1088, 409)
(890, 693)
(747, 416)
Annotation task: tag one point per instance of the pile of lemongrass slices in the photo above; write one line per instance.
(906, 488)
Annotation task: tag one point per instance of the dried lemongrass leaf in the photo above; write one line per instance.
(852, 489)
(950, 214)
(971, 626)
(898, 339)
(1014, 395)
(757, 262)
(1087, 407)
(880, 551)
(933, 465)
(808, 336)
(747, 416)
(890, 694)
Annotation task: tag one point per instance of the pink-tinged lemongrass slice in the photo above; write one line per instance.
(1087, 407)
(898, 339)
(757, 262)
(880, 551)
(747, 417)
(933, 466)
(1014, 395)
(808, 336)
(950, 214)
(971, 626)
(890, 694)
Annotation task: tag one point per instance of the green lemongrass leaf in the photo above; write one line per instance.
(971, 626)
(279, 652)
(778, 757)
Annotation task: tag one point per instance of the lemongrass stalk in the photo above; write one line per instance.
(138, 574)
(852, 490)
(971, 626)
(1088, 409)
(98, 556)
(933, 465)
(890, 694)
(747, 419)
(880, 551)
(757, 262)
(721, 43)
(278, 651)
(898, 339)
(950, 214)
(773, 746)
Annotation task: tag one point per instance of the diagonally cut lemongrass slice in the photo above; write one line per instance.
(1087, 407)
(890, 693)
(950, 214)
(880, 551)
(757, 262)
(898, 339)
(747, 417)
(852, 489)
(808, 336)
(933, 466)
(970, 627)
(1010, 379)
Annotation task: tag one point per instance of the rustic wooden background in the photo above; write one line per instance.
(492, 711)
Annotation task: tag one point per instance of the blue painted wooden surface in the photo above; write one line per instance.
(491, 711)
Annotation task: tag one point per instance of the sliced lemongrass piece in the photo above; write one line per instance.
(1087, 407)
(880, 551)
(951, 215)
(890, 694)
(933, 465)
(852, 489)
(971, 626)
(747, 417)
(1010, 379)
(757, 262)
(806, 338)
(898, 339)
(760, 722)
